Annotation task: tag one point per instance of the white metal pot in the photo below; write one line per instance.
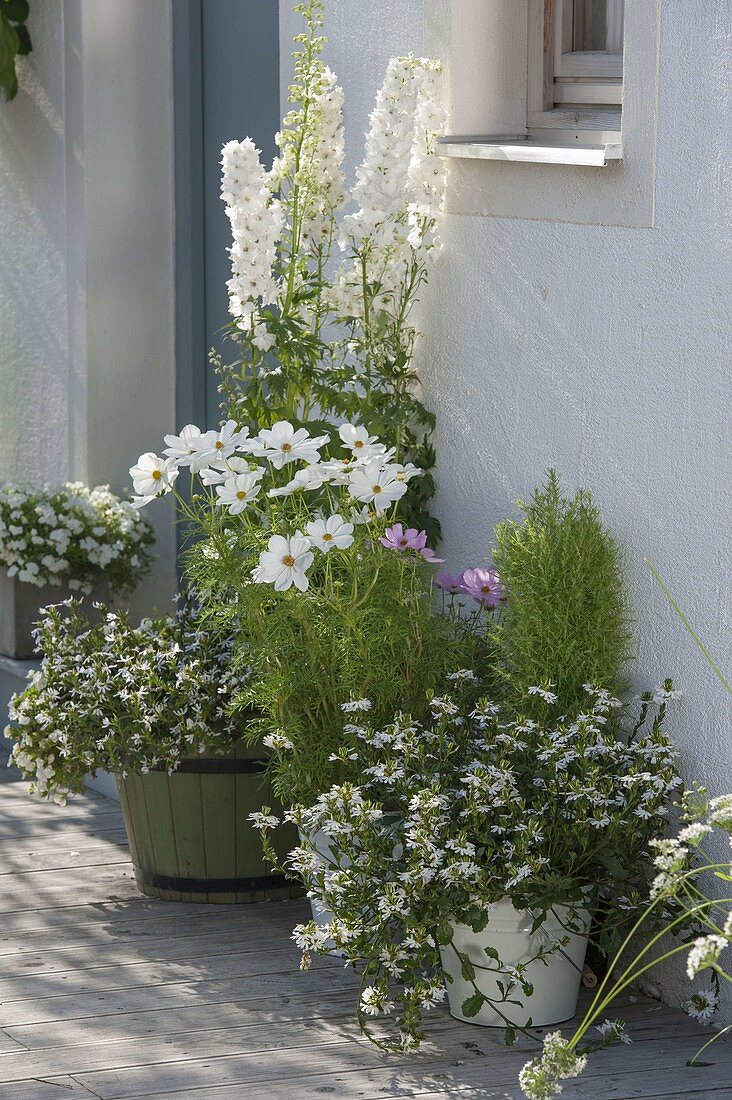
(556, 981)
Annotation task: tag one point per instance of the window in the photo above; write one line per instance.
(576, 65)
(572, 82)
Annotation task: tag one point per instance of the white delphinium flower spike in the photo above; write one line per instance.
(256, 226)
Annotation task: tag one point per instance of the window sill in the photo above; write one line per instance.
(548, 148)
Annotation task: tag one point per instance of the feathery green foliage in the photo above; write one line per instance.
(567, 622)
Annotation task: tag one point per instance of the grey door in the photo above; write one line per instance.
(226, 86)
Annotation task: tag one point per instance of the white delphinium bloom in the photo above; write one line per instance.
(705, 952)
(400, 187)
(313, 165)
(376, 484)
(182, 448)
(152, 477)
(329, 533)
(285, 562)
(256, 226)
(702, 1006)
(282, 443)
(238, 492)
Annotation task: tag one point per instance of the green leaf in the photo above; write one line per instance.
(467, 969)
(9, 44)
(24, 38)
(473, 1005)
(9, 82)
(510, 1036)
(17, 10)
(492, 953)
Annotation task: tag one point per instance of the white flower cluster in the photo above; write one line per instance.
(539, 1080)
(399, 190)
(256, 226)
(314, 164)
(120, 697)
(72, 534)
(367, 479)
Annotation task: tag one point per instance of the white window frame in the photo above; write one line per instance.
(573, 92)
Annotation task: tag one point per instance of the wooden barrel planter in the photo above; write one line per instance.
(189, 833)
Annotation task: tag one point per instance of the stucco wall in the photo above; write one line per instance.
(600, 349)
(87, 375)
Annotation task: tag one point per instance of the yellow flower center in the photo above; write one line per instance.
(376, 488)
(219, 445)
(327, 538)
(156, 475)
(358, 443)
(286, 447)
(241, 495)
(288, 560)
(487, 588)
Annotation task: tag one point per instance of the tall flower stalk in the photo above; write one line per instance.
(326, 340)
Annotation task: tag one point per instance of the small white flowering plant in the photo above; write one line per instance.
(445, 818)
(72, 535)
(683, 904)
(324, 592)
(324, 283)
(680, 904)
(121, 698)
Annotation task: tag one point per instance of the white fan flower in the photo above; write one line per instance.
(238, 492)
(334, 531)
(285, 562)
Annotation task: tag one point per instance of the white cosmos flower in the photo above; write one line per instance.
(311, 477)
(182, 448)
(152, 476)
(222, 444)
(376, 484)
(407, 471)
(334, 531)
(285, 562)
(358, 440)
(238, 492)
(282, 444)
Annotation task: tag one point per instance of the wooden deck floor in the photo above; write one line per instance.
(104, 993)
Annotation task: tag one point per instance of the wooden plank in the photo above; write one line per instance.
(66, 859)
(101, 978)
(209, 1017)
(60, 1088)
(179, 994)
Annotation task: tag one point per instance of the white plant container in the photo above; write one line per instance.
(322, 915)
(556, 982)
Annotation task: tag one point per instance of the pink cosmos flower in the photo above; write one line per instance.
(396, 538)
(430, 556)
(451, 585)
(484, 585)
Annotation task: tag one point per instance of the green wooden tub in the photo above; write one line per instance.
(189, 833)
